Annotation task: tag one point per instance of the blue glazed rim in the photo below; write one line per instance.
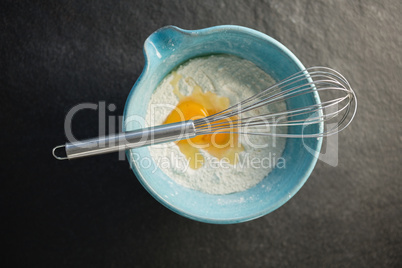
(147, 68)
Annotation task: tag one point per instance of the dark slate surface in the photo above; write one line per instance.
(94, 213)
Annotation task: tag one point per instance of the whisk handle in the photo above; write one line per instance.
(127, 140)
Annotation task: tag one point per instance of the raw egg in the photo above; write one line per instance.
(197, 105)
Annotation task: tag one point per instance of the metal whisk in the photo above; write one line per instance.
(306, 115)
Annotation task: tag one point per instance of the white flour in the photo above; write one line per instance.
(227, 76)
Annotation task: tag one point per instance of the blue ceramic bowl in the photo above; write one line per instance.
(167, 48)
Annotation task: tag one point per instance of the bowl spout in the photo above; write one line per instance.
(163, 42)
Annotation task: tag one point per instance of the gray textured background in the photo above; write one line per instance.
(94, 213)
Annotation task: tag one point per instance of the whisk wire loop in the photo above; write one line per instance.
(306, 108)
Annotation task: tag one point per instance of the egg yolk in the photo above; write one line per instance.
(196, 106)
